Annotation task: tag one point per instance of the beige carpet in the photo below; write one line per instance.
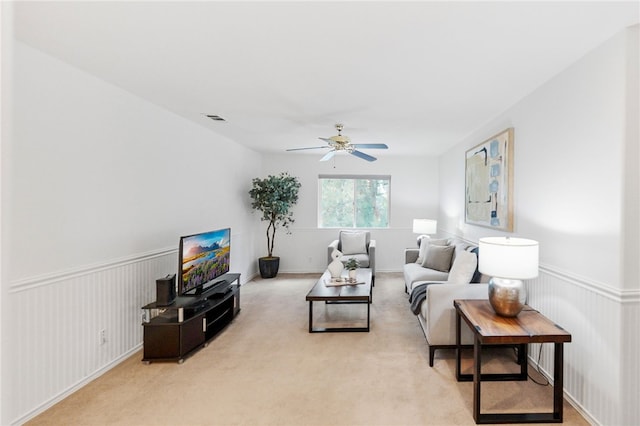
(266, 369)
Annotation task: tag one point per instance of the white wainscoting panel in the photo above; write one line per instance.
(57, 322)
(630, 355)
(599, 362)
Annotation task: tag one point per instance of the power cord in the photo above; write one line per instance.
(546, 381)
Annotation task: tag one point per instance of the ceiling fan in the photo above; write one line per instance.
(342, 143)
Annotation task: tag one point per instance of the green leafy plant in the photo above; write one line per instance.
(351, 264)
(274, 196)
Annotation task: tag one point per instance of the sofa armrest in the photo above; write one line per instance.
(330, 248)
(411, 255)
(372, 257)
(440, 315)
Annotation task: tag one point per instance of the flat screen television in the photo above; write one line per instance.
(203, 258)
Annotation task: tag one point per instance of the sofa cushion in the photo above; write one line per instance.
(439, 258)
(463, 268)
(424, 247)
(353, 242)
(362, 258)
(414, 273)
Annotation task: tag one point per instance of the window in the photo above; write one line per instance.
(348, 201)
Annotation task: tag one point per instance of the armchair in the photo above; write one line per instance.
(356, 244)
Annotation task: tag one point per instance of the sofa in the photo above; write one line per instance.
(434, 283)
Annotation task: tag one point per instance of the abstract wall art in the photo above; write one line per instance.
(489, 182)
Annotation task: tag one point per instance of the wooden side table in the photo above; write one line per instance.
(491, 329)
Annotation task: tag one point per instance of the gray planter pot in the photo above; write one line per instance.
(269, 266)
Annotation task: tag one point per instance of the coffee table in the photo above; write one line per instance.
(358, 293)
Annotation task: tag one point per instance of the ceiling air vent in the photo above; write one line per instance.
(215, 117)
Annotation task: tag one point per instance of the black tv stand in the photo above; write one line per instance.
(172, 333)
(220, 285)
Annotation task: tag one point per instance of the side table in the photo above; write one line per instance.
(488, 328)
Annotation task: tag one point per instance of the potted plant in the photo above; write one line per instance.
(351, 265)
(274, 196)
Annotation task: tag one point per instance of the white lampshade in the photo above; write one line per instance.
(425, 226)
(506, 257)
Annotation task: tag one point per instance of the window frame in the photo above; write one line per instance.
(354, 177)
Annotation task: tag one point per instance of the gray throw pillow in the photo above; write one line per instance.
(439, 242)
(439, 258)
(424, 247)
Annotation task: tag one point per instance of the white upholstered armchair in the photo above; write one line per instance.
(356, 244)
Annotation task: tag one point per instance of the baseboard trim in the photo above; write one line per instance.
(76, 386)
(575, 404)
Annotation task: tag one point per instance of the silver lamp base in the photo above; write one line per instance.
(506, 296)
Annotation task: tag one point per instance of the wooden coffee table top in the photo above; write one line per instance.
(344, 292)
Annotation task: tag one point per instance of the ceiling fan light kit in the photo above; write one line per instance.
(343, 143)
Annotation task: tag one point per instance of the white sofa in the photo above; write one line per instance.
(436, 313)
(415, 272)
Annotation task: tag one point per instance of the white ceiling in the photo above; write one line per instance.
(419, 76)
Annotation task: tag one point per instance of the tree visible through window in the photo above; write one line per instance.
(346, 201)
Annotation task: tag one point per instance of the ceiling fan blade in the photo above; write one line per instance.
(328, 156)
(370, 145)
(311, 147)
(363, 155)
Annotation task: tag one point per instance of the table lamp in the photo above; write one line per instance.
(508, 261)
(424, 227)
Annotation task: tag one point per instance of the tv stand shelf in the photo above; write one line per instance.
(173, 332)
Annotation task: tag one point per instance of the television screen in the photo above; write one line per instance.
(203, 258)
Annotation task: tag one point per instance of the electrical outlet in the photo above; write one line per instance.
(103, 336)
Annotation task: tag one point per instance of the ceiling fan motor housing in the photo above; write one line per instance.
(342, 143)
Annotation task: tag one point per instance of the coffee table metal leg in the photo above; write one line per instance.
(310, 316)
(368, 315)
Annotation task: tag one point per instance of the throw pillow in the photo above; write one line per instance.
(477, 276)
(440, 242)
(353, 242)
(424, 247)
(463, 268)
(439, 258)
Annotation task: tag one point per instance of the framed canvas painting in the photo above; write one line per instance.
(489, 182)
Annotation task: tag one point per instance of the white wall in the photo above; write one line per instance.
(6, 30)
(414, 194)
(570, 193)
(97, 189)
(97, 175)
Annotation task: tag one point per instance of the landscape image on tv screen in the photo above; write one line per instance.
(204, 258)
